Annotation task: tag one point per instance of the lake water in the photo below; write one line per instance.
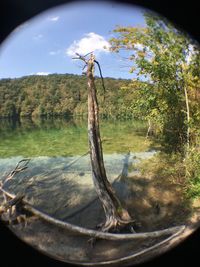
(60, 165)
(56, 143)
(62, 137)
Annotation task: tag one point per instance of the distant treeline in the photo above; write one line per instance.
(60, 95)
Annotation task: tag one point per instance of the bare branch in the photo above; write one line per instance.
(86, 62)
(81, 58)
(20, 167)
(84, 67)
(102, 80)
(88, 54)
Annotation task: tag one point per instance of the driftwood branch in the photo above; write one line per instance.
(93, 233)
(9, 203)
(20, 167)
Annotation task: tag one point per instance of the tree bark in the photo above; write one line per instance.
(116, 216)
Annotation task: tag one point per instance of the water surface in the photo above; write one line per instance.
(60, 165)
(62, 137)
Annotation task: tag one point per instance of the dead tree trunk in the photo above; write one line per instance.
(116, 216)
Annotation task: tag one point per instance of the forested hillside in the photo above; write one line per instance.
(60, 95)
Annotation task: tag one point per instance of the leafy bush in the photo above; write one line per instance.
(193, 173)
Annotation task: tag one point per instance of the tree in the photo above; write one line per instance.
(58, 95)
(116, 216)
(161, 55)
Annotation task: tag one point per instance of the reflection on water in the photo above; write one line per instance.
(68, 137)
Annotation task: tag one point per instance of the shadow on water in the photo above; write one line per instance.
(55, 192)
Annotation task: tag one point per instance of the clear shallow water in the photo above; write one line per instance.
(114, 163)
(55, 144)
(64, 138)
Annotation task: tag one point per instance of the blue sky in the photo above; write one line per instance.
(46, 43)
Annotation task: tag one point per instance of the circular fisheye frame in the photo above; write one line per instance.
(100, 144)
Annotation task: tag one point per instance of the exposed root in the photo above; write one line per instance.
(9, 204)
(116, 225)
(119, 224)
(9, 211)
(18, 220)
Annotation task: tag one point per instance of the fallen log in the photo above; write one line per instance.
(93, 233)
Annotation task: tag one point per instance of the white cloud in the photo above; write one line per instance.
(54, 53)
(56, 18)
(42, 73)
(89, 43)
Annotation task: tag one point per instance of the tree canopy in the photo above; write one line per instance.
(60, 95)
(169, 61)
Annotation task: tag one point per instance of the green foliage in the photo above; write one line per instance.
(193, 173)
(165, 167)
(60, 95)
(169, 99)
(170, 62)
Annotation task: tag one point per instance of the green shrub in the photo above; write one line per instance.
(193, 173)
